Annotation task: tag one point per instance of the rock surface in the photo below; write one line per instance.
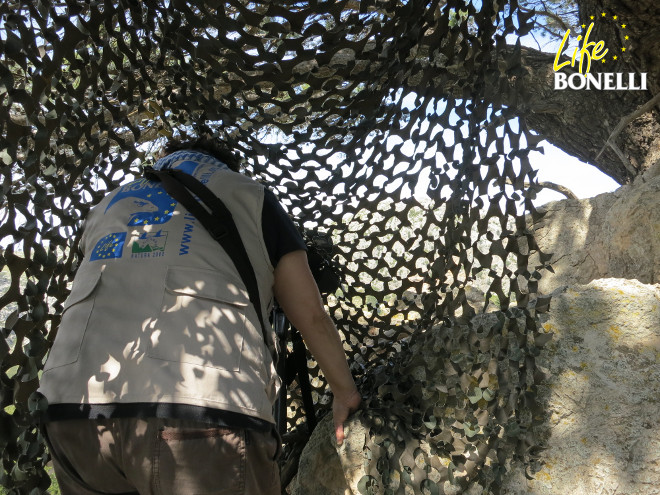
(603, 423)
(322, 471)
(613, 235)
(603, 393)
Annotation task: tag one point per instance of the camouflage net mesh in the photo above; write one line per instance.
(378, 122)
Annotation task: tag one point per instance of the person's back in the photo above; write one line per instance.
(158, 314)
(159, 341)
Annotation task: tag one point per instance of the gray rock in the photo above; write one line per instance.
(603, 393)
(613, 235)
(320, 471)
(602, 429)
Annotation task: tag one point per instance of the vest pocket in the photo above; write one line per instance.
(75, 318)
(202, 320)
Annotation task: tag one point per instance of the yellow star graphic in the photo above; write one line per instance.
(615, 17)
(614, 57)
(623, 49)
(592, 18)
(627, 37)
(603, 60)
(603, 14)
(623, 26)
(584, 26)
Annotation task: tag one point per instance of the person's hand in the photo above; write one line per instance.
(341, 410)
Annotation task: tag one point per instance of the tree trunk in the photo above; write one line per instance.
(580, 122)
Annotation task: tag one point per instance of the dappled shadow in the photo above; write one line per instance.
(601, 391)
(164, 332)
(338, 107)
(586, 424)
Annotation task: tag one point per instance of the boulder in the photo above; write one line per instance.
(612, 235)
(602, 424)
(326, 469)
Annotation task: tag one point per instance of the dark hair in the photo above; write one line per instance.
(213, 147)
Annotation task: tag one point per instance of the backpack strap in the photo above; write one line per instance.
(219, 222)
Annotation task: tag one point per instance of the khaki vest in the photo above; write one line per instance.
(158, 313)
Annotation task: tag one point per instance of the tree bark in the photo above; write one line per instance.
(580, 122)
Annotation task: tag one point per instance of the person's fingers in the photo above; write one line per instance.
(341, 411)
(339, 433)
(339, 415)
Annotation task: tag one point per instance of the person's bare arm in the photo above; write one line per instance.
(297, 294)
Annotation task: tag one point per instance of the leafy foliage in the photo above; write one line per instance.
(553, 17)
(341, 108)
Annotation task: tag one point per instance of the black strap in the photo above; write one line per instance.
(219, 222)
(294, 365)
(299, 357)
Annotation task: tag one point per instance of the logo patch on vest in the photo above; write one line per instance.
(149, 245)
(147, 200)
(109, 246)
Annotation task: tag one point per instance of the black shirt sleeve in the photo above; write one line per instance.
(280, 234)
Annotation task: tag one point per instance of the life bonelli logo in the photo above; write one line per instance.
(589, 52)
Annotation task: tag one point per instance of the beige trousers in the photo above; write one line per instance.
(161, 457)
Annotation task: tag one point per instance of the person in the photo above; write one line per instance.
(160, 379)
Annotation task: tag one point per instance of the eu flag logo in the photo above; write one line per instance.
(110, 246)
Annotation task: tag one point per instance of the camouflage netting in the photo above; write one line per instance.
(379, 122)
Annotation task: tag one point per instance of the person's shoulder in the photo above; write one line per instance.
(269, 196)
(230, 178)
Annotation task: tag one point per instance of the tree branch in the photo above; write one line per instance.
(549, 185)
(557, 187)
(623, 123)
(546, 13)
